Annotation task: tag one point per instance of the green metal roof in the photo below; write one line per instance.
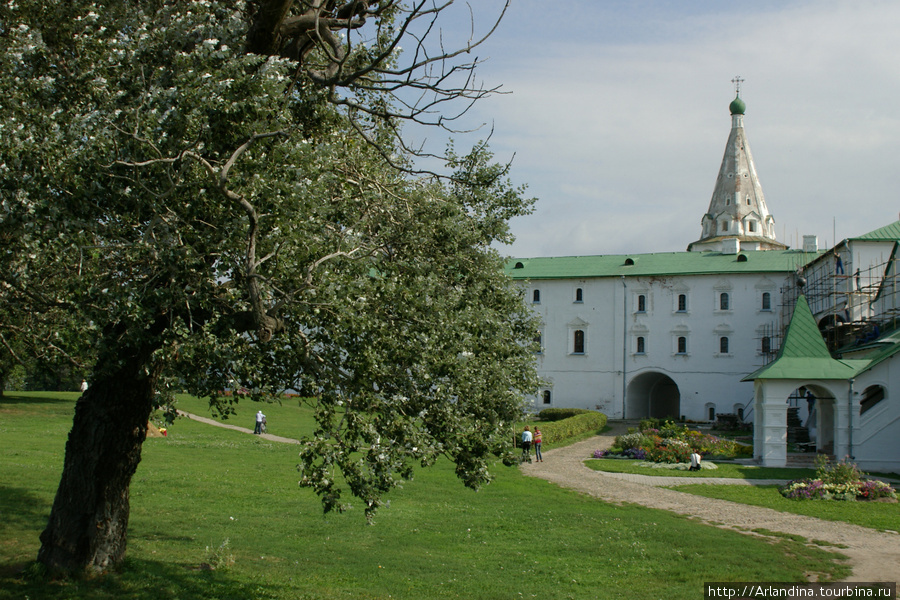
(659, 264)
(886, 233)
(804, 355)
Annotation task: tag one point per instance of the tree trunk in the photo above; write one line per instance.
(87, 530)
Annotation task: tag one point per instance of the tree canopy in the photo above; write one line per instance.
(207, 195)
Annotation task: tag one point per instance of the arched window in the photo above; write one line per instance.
(579, 295)
(766, 301)
(642, 303)
(682, 345)
(539, 347)
(872, 396)
(723, 301)
(711, 413)
(640, 345)
(578, 345)
(536, 297)
(682, 302)
(546, 396)
(723, 345)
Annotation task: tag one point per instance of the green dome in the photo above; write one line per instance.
(737, 106)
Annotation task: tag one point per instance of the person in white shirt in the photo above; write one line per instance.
(526, 443)
(695, 462)
(260, 419)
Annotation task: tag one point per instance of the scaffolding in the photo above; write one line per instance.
(851, 309)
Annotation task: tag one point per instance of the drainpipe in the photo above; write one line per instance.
(850, 417)
(624, 346)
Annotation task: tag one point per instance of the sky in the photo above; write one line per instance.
(615, 115)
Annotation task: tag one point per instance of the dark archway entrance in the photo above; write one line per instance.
(652, 395)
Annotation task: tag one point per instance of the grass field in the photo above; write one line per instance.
(205, 496)
(732, 471)
(876, 515)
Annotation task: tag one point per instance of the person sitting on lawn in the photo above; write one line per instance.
(695, 462)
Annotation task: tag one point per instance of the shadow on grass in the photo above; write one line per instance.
(21, 510)
(12, 399)
(139, 580)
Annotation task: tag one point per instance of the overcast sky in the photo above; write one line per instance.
(617, 114)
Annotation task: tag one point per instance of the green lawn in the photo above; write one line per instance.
(203, 486)
(730, 470)
(877, 515)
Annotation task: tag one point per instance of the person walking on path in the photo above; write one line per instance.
(526, 444)
(537, 445)
(260, 419)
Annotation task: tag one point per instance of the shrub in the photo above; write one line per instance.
(646, 424)
(839, 481)
(838, 473)
(587, 421)
(558, 414)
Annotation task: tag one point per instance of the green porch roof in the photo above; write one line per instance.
(882, 234)
(804, 355)
(658, 264)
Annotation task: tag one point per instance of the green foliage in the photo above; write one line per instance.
(177, 201)
(558, 414)
(560, 431)
(839, 473)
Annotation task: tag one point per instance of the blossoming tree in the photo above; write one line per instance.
(215, 193)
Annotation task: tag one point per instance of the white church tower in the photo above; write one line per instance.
(738, 218)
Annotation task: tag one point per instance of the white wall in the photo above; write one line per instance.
(703, 374)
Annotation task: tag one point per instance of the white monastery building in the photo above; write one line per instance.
(705, 332)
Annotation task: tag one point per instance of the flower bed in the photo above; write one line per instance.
(839, 481)
(670, 443)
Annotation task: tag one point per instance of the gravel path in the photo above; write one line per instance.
(874, 555)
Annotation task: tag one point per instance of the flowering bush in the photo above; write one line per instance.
(840, 481)
(667, 442)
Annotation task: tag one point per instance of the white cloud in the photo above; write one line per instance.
(621, 140)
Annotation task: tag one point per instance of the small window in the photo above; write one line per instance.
(751, 226)
(740, 413)
(539, 347)
(546, 396)
(640, 345)
(642, 303)
(682, 345)
(711, 415)
(579, 295)
(766, 301)
(578, 346)
(724, 225)
(872, 396)
(767, 345)
(723, 345)
(724, 301)
(536, 297)
(682, 302)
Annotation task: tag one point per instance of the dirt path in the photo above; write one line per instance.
(874, 555)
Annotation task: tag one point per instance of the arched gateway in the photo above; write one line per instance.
(652, 395)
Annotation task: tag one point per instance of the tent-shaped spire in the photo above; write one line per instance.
(804, 355)
(737, 209)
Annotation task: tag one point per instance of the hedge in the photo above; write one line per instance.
(558, 431)
(558, 414)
